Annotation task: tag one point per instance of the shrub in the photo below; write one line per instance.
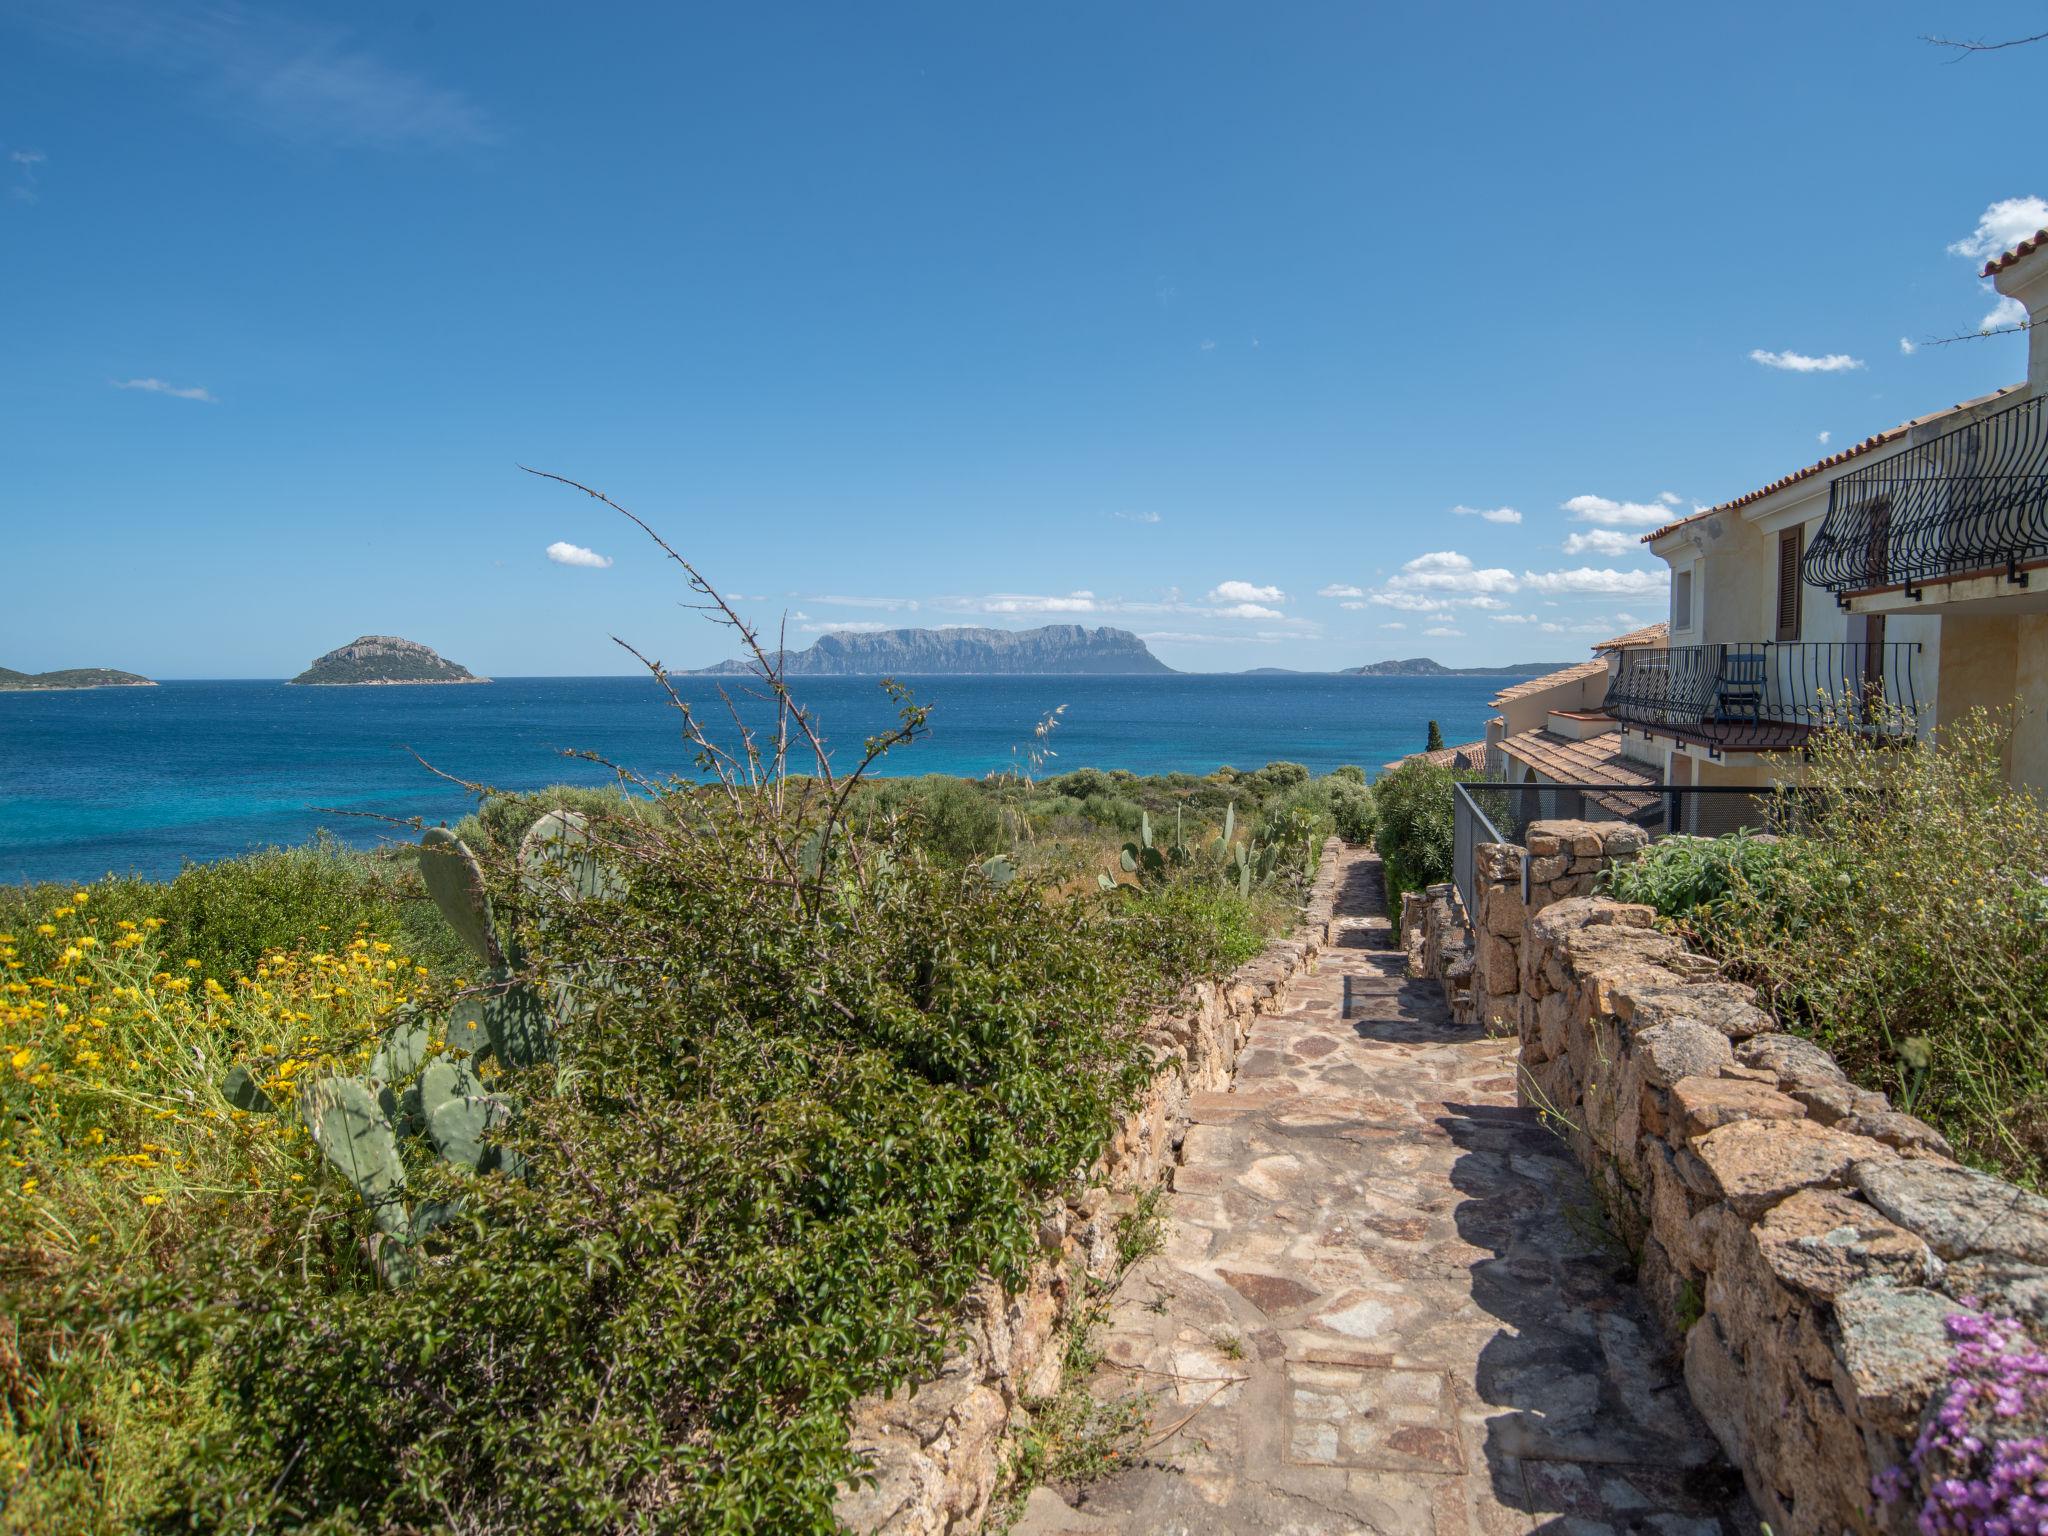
(1682, 874)
(228, 915)
(1906, 930)
(1415, 833)
(953, 819)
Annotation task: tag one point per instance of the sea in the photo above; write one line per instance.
(144, 780)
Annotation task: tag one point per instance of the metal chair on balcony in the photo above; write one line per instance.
(1739, 692)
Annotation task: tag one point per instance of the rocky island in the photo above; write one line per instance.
(12, 681)
(1053, 650)
(1423, 666)
(373, 660)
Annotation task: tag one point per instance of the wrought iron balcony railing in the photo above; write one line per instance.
(1971, 501)
(1767, 696)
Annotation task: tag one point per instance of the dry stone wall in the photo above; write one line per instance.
(1803, 1242)
(936, 1452)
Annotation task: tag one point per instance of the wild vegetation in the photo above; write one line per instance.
(1414, 829)
(1904, 927)
(578, 1173)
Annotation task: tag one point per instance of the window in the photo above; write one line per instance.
(1681, 599)
(1790, 544)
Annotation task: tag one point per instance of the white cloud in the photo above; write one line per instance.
(1491, 514)
(1600, 541)
(889, 603)
(1800, 362)
(1823, 438)
(1513, 618)
(1136, 517)
(1906, 348)
(27, 180)
(307, 80)
(1340, 589)
(562, 552)
(1445, 632)
(1445, 570)
(1610, 583)
(2002, 226)
(1189, 637)
(1622, 514)
(1019, 602)
(848, 626)
(1249, 611)
(1410, 602)
(1245, 592)
(1393, 624)
(1353, 606)
(1208, 346)
(159, 387)
(2007, 312)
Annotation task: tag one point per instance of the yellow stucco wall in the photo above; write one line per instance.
(1997, 661)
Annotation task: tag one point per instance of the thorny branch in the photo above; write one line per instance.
(765, 800)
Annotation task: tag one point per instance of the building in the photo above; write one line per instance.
(1556, 729)
(1892, 586)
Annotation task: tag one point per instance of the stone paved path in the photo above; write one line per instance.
(1386, 1302)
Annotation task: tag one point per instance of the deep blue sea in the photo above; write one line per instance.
(143, 779)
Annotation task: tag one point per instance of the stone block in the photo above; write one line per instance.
(1892, 1352)
(1960, 1212)
(1821, 1242)
(1908, 1133)
(1546, 867)
(1720, 1005)
(1753, 1164)
(1703, 1104)
(1622, 839)
(1668, 1052)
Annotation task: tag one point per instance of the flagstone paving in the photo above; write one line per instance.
(1386, 1302)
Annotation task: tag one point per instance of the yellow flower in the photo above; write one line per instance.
(22, 1058)
(46, 929)
(191, 965)
(28, 1186)
(152, 1199)
(80, 898)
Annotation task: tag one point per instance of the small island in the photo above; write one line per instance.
(381, 661)
(1052, 650)
(12, 681)
(1424, 666)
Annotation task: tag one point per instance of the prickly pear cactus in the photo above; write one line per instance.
(353, 1135)
(456, 882)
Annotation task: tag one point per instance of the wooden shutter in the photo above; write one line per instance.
(1789, 550)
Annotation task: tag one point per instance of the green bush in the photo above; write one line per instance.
(958, 820)
(1905, 929)
(1679, 875)
(228, 914)
(1415, 833)
(765, 1176)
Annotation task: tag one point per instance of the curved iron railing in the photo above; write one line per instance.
(1767, 696)
(1972, 500)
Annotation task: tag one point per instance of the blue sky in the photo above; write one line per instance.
(1170, 316)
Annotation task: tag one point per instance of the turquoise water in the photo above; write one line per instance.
(142, 779)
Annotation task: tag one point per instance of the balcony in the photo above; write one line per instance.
(1766, 697)
(1970, 502)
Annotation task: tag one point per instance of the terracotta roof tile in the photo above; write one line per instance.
(1471, 755)
(2026, 247)
(1577, 672)
(1649, 634)
(1855, 450)
(1597, 760)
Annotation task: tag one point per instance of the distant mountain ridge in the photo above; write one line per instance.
(1063, 650)
(1423, 666)
(371, 660)
(12, 681)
